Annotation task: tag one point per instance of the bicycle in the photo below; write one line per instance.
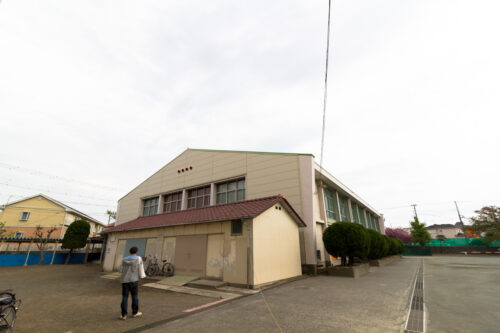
(8, 310)
(152, 268)
(167, 268)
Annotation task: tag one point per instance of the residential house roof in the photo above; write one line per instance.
(66, 207)
(223, 212)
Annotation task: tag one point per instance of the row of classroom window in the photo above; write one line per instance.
(337, 208)
(226, 192)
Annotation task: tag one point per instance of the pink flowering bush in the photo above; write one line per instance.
(400, 234)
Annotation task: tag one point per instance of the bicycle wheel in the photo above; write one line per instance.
(7, 319)
(150, 271)
(168, 269)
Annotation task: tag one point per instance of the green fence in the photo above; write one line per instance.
(458, 242)
(409, 251)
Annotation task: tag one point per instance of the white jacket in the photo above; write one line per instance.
(132, 269)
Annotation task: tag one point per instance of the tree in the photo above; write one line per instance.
(2, 229)
(75, 237)
(400, 234)
(111, 215)
(487, 221)
(377, 245)
(42, 242)
(419, 232)
(346, 240)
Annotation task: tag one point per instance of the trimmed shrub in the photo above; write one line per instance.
(377, 245)
(387, 246)
(346, 240)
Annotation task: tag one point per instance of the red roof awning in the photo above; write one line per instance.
(224, 212)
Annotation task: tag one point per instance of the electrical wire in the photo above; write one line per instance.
(65, 179)
(60, 193)
(325, 94)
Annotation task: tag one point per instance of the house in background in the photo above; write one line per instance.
(447, 230)
(200, 178)
(22, 217)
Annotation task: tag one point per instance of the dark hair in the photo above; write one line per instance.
(133, 250)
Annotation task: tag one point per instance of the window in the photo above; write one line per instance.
(150, 207)
(231, 191)
(173, 202)
(24, 216)
(344, 209)
(236, 227)
(198, 197)
(355, 214)
(19, 235)
(331, 205)
(375, 223)
(362, 217)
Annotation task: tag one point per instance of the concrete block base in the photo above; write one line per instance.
(355, 271)
(384, 261)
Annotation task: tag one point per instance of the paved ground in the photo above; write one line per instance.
(75, 298)
(462, 294)
(374, 303)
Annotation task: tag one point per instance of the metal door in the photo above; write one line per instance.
(120, 249)
(191, 255)
(215, 259)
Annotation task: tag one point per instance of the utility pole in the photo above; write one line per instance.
(415, 210)
(461, 222)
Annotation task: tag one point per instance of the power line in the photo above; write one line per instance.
(60, 193)
(325, 94)
(65, 179)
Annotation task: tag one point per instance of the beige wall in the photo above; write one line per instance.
(233, 265)
(276, 247)
(266, 175)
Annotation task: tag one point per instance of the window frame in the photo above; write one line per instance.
(27, 216)
(204, 198)
(344, 203)
(177, 202)
(19, 235)
(240, 187)
(149, 207)
(236, 222)
(331, 199)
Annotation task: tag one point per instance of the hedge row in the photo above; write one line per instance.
(348, 240)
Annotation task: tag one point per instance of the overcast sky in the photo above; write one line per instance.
(95, 96)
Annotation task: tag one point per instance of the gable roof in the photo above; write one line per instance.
(214, 150)
(66, 207)
(236, 210)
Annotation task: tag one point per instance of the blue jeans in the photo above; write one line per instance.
(131, 287)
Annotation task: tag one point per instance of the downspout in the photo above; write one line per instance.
(247, 227)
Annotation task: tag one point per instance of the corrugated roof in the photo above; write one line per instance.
(224, 212)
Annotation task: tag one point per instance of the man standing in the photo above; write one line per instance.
(132, 269)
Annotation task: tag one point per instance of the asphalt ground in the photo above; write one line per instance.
(377, 302)
(74, 298)
(462, 294)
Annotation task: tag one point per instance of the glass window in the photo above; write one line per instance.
(362, 217)
(173, 202)
(355, 214)
(24, 216)
(375, 223)
(150, 207)
(231, 191)
(19, 235)
(331, 205)
(344, 209)
(198, 197)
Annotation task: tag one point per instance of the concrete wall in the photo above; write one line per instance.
(276, 246)
(265, 174)
(160, 242)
